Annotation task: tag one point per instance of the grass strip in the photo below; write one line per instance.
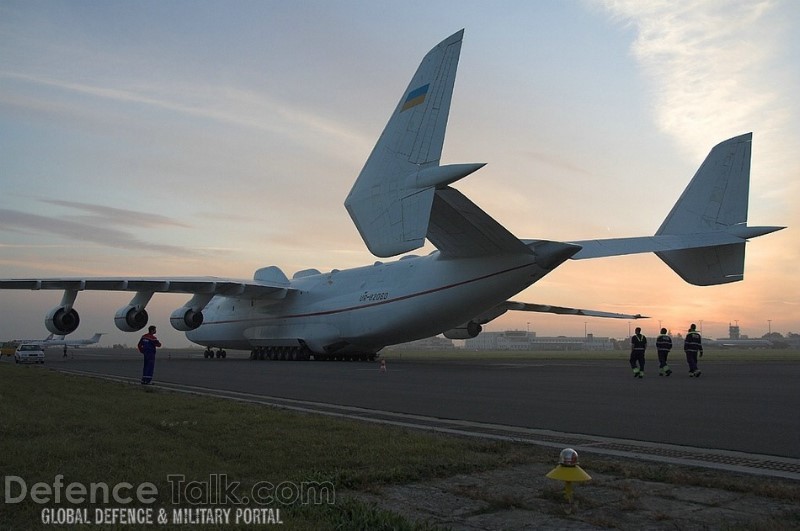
(93, 431)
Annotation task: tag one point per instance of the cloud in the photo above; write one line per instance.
(703, 61)
(722, 68)
(95, 230)
(101, 214)
(223, 104)
(558, 162)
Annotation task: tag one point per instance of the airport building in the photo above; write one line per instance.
(529, 341)
(430, 343)
(522, 340)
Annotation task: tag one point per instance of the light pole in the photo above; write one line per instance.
(769, 325)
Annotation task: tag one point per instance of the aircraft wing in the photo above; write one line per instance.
(500, 309)
(192, 285)
(268, 283)
(547, 308)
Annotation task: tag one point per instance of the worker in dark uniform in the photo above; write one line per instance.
(663, 346)
(638, 346)
(147, 346)
(693, 346)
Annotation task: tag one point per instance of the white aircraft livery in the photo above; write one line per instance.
(55, 341)
(62, 341)
(402, 197)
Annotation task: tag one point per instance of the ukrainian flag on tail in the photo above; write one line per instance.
(415, 97)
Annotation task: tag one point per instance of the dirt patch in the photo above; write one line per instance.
(523, 498)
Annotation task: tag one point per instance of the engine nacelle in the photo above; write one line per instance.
(467, 331)
(184, 319)
(61, 321)
(130, 319)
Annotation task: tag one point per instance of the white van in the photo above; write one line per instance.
(29, 353)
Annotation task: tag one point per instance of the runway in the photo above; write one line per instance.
(735, 407)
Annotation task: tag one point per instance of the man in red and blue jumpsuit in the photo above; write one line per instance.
(147, 346)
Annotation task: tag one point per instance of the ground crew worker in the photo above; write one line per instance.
(638, 346)
(147, 346)
(693, 346)
(663, 346)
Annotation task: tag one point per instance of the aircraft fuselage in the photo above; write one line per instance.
(366, 308)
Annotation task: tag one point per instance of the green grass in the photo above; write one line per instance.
(95, 431)
(92, 431)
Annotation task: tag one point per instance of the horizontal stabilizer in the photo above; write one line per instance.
(668, 242)
(440, 176)
(707, 266)
(715, 200)
(703, 238)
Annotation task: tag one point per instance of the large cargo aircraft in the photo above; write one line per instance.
(402, 197)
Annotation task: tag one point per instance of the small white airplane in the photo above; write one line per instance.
(401, 197)
(57, 341)
(61, 341)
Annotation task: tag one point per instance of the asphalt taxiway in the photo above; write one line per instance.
(737, 410)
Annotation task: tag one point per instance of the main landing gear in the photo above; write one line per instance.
(281, 353)
(301, 353)
(211, 354)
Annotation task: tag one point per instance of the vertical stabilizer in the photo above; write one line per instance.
(716, 197)
(390, 211)
(715, 200)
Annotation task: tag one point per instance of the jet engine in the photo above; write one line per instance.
(130, 318)
(184, 319)
(466, 331)
(62, 321)
(133, 317)
(190, 315)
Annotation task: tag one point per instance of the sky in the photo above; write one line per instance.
(197, 138)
